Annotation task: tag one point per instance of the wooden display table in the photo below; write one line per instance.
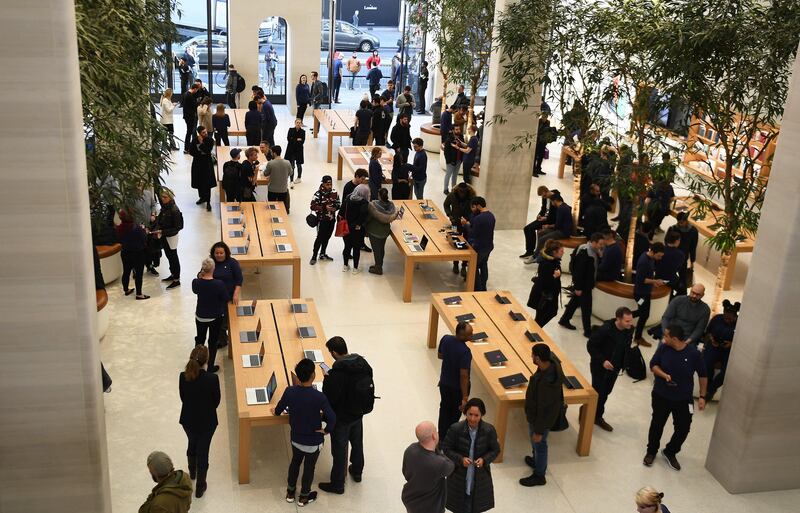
(260, 219)
(358, 156)
(223, 156)
(507, 335)
(237, 122)
(565, 152)
(706, 227)
(438, 249)
(283, 349)
(335, 122)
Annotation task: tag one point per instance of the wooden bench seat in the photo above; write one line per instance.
(431, 137)
(607, 296)
(621, 289)
(107, 251)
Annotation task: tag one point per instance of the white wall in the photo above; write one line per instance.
(304, 22)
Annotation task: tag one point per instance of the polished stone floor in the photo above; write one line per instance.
(148, 343)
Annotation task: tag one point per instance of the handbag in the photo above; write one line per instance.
(312, 220)
(342, 228)
(352, 132)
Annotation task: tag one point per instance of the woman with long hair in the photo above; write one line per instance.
(547, 284)
(302, 94)
(221, 122)
(200, 396)
(134, 245)
(648, 500)
(204, 116)
(212, 300)
(167, 106)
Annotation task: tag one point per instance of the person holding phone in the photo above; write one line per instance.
(674, 364)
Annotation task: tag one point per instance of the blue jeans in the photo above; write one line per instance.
(539, 451)
(482, 272)
(451, 174)
(352, 81)
(419, 188)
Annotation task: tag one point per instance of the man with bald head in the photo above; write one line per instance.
(688, 312)
(425, 470)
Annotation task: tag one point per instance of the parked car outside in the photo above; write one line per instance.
(349, 37)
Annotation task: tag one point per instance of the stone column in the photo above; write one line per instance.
(754, 446)
(52, 431)
(505, 177)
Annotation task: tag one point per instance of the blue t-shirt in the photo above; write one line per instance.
(230, 273)
(645, 268)
(681, 366)
(337, 67)
(420, 172)
(455, 356)
(721, 330)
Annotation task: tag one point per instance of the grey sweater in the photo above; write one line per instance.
(425, 472)
(692, 317)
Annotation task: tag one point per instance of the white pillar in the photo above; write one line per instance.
(53, 453)
(754, 446)
(505, 177)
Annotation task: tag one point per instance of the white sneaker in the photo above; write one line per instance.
(297, 181)
(356, 270)
(528, 260)
(345, 268)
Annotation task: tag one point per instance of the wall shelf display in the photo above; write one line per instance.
(705, 154)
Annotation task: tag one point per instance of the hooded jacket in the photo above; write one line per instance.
(340, 381)
(545, 284)
(380, 215)
(545, 396)
(173, 494)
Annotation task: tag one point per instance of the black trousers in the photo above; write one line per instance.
(379, 137)
(530, 236)
(584, 301)
(538, 157)
(421, 100)
(324, 232)
(212, 329)
(449, 409)
(172, 258)
(133, 261)
(268, 134)
(681, 422)
(230, 99)
(360, 139)
(171, 129)
(301, 110)
(298, 165)
(603, 381)
(344, 435)
(545, 310)
(221, 137)
(204, 194)
(253, 136)
(279, 196)
(191, 128)
(372, 89)
(309, 461)
(642, 313)
(337, 85)
(199, 446)
(378, 250)
(352, 247)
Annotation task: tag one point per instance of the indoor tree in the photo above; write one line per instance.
(550, 43)
(730, 61)
(433, 17)
(121, 60)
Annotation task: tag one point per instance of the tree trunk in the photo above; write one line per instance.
(719, 282)
(444, 89)
(576, 188)
(631, 240)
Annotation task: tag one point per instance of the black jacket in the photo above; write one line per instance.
(339, 382)
(583, 269)
(232, 180)
(456, 207)
(609, 343)
(689, 238)
(190, 106)
(594, 215)
(545, 284)
(401, 136)
(202, 165)
(200, 399)
(294, 148)
(355, 211)
(548, 210)
(545, 397)
(170, 219)
(456, 447)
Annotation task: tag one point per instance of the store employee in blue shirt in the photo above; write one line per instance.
(674, 364)
(456, 360)
(481, 238)
(643, 288)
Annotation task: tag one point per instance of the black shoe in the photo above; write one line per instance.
(199, 201)
(605, 426)
(201, 486)
(328, 488)
(526, 255)
(152, 270)
(586, 334)
(455, 268)
(128, 292)
(463, 272)
(169, 278)
(365, 248)
(307, 499)
(566, 324)
(313, 261)
(356, 477)
(649, 459)
(672, 461)
(208, 207)
(289, 495)
(325, 257)
(530, 461)
(221, 344)
(533, 480)
(173, 285)
(213, 368)
(375, 270)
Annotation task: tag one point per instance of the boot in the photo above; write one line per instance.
(192, 468)
(201, 486)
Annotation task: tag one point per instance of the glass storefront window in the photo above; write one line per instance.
(272, 58)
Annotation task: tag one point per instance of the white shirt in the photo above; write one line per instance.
(166, 111)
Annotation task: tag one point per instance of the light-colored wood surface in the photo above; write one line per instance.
(358, 157)
(283, 349)
(237, 122)
(704, 227)
(439, 248)
(335, 122)
(223, 156)
(259, 225)
(508, 336)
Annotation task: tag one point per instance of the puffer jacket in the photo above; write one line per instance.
(378, 222)
(456, 447)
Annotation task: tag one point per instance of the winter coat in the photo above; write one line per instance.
(321, 200)
(380, 217)
(173, 494)
(456, 447)
(202, 167)
(545, 397)
(545, 287)
(294, 148)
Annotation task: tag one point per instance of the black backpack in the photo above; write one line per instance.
(572, 258)
(634, 364)
(362, 392)
(324, 98)
(231, 180)
(240, 83)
